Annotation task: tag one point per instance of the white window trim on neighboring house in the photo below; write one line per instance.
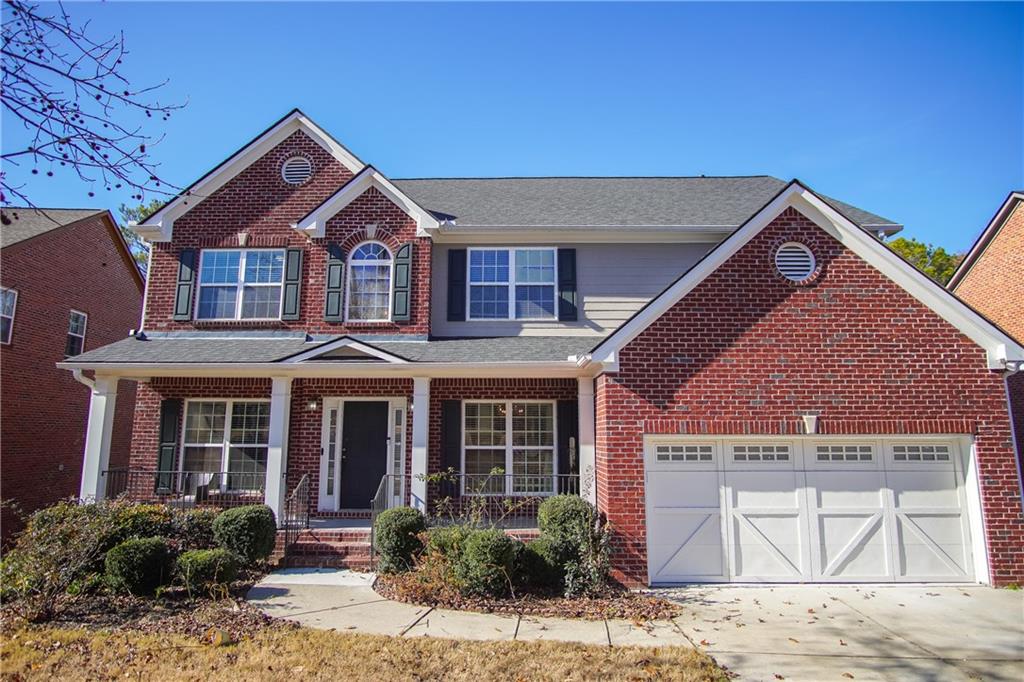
(240, 285)
(511, 283)
(390, 263)
(507, 487)
(85, 327)
(14, 310)
(225, 443)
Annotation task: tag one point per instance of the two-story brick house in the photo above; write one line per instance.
(741, 376)
(68, 284)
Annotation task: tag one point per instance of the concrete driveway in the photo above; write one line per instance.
(858, 633)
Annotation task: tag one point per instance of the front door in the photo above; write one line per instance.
(364, 451)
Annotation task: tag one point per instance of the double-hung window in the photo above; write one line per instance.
(509, 447)
(240, 284)
(8, 302)
(512, 284)
(75, 343)
(227, 436)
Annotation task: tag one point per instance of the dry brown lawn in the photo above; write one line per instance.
(303, 654)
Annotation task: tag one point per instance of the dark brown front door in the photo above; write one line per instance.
(364, 451)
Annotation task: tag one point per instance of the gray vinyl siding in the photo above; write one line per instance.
(613, 281)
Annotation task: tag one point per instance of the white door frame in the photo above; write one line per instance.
(964, 467)
(398, 408)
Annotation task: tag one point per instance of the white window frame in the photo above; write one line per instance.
(239, 286)
(14, 310)
(391, 280)
(509, 475)
(85, 327)
(511, 283)
(225, 444)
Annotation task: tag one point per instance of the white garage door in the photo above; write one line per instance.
(806, 510)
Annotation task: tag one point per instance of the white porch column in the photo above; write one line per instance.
(420, 433)
(588, 461)
(98, 432)
(277, 450)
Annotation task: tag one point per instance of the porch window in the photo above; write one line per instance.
(228, 436)
(369, 284)
(512, 284)
(240, 284)
(512, 437)
(8, 301)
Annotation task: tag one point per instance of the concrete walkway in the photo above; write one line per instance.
(345, 601)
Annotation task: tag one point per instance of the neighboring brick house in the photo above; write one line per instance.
(747, 383)
(991, 279)
(69, 285)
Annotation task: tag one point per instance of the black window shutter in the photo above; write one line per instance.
(170, 417)
(568, 446)
(567, 308)
(451, 445)
(292, 284)
(334, 306)
(456, 285)
(186, 282)
(400, 305)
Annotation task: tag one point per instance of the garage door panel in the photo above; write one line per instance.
(767, 545)
(696, 551)
(674, 489)
(924, 489)
(852, 546)
(842, 489)
(764, 489)
(923, 556)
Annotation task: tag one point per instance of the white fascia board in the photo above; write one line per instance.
(999, 347)
(514, 370)
(344, 343)
(984, 239)
(158, 227)
(582, 235)
(315, 223)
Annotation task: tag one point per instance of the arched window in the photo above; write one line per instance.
(369, 283)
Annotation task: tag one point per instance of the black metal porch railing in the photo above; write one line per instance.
(295, 517)
(185, 489)
(500, 500)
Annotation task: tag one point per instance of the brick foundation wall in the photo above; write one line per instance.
(44, 411)
(258, 202)
(748, 352)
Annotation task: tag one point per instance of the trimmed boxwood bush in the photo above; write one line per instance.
(201, 569)
(564, 518)
(193, 528)
(249, 532)
(540, 565)
(143, 521)
(448, 541)
(488, 563)
(139, 565)
(396, 537)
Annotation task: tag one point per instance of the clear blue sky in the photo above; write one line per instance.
(914, 112)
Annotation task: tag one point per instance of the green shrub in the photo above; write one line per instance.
(540, 565)
(396, 536)
(193, 528)
(142, 521)
(200, 570)
(488, 563)
(249, 532)
(564, 517)
(448, 541)
(139, 565)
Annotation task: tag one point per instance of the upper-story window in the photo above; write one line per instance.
(369, 284)
(507, 284)
(243, 284)
(8, 302)
(75, 343)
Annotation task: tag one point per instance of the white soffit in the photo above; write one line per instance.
(158, 227)
(998, 345)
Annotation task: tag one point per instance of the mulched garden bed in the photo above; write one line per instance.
(411, 589)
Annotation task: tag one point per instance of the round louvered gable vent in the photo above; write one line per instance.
(296, 170)
(794, 261)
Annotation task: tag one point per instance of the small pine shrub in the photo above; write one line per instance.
(202, 570)
(139, 565)
(248, 532)
(396, 534)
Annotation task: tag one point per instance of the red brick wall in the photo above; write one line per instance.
(45, 410)
(258, 202)
(747, 352)
(995, 283)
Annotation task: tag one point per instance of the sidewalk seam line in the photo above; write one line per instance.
(519, 619)
(416, 622)
(608, 633)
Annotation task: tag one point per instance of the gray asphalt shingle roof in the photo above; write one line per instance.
(617, 202)
(213, 349)
(20, 223)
